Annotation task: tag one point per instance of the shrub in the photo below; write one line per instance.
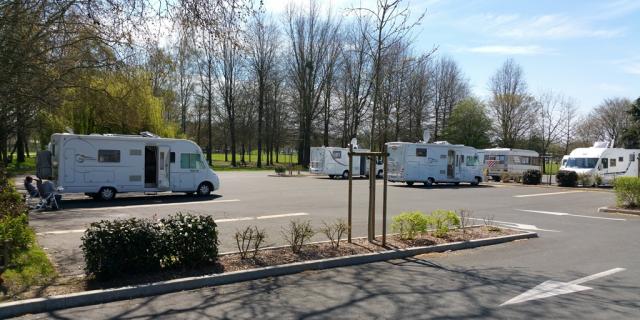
(442, 220)
(566, 178)
(297, 234)
(280, 169)
(409, 224)
(17, 234)
(597, 179)
(505, 177)
(334, 231)
(117, 247)
(249, 238)
(133, 246)
(188, 240)
(627, 191)
(532, 177)
(585, 180)
(490, 224)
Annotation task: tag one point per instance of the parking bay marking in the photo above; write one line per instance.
(156, 204)
(546, 194)
(552, 288)
(274, 216)
(516, 225)
(571, 215)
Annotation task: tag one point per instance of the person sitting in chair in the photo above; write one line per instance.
(31, 190)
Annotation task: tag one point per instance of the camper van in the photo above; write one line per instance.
(514, 162)
(102, 165)
(334, 162)
(604, 161)
(429, 163)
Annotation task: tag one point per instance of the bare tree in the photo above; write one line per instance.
(449, 88)
(263, 44)
(511, 106)
(552, 111)
(606, 122)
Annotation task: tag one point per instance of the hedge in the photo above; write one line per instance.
(532, 177)
(135, 246)
(627, 191)
(567, 178)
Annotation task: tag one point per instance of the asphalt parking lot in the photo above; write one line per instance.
(586, 262)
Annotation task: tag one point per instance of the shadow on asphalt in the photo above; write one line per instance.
(134, 201)
(411, 288)
(441, 186)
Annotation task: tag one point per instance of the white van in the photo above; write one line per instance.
(515, 162)
(601, 160)
(430, 163)
(102, 165)
(334, 162)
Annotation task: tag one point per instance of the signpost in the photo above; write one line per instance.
(372, 194)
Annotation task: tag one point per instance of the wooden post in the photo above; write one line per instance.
(384, 197)
(372, 198)
(350, 193)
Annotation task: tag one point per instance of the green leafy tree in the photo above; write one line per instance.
(631, 135)
(469, 124)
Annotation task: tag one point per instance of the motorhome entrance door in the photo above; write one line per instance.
(163, 168)
(451, 164)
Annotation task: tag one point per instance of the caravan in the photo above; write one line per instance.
(514, 162)
(334, 162)
(603, 161)
(439, 162)
(102, 165)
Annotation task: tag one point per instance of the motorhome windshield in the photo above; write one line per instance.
(582, 163)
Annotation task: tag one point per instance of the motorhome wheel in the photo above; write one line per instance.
(107, 193)
(429, 182)
(379, 174)
(204, 189)
(476, 181)
(345, 174)
(332, 176)
(410, 183)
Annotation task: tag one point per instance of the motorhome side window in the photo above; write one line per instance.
(421, 152)
(337, 154)
(189, 161)
(172, 157)
(632, 157)
(605, 163)
(612, 162)
(108, 155)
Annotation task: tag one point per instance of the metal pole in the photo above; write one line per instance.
(350, 193)
(384, 198)
(372, 198)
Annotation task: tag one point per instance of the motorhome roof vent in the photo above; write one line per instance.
(441, 142)
(426, 136)
(148, 134)
(600, 144)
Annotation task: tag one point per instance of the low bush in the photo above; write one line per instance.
(29, 268)
(334, 231)
(297, 234)
(409, 224)
(187, 240)
(280, 169)
(597, 179)
(567, 178)
(585, 180)
(16, 234)
(627, 191)
(249, 239)
(134, 246)
(442, 220)
(505, 177)
(117, 247)
(532, 177)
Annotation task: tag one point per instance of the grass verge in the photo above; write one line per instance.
(30, 269)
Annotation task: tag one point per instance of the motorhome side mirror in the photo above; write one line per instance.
(599, 167)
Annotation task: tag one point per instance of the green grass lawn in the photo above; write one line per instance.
(551, 168)
(29, 166)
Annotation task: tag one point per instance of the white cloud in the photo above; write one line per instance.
(551, 26)
(611, 87)
(632, 68)
(508, 50)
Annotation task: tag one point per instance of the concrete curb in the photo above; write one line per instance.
(39, 305)
(619, 210)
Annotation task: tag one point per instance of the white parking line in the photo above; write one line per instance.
(516, 225)
(546, 194)
(156, 205)
(571, 215)
(274, 216)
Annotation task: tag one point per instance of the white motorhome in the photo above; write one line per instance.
(604, 161)
(334, 162)
(515, 162)
(438, 162)
(102, 165)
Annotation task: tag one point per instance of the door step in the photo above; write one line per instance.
(150, 193)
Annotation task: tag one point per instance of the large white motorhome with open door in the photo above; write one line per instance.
(334, 162)
(103, 165)
(514, 162)
(430, 163)
(604, 161)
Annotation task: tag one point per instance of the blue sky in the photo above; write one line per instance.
(587, 50)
